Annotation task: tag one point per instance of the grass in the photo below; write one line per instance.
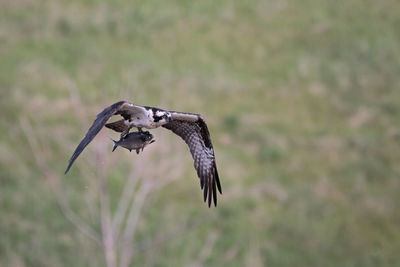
(301, 99)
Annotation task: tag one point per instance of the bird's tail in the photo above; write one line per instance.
(115, 144)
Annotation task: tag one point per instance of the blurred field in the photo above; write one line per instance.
(302, 99)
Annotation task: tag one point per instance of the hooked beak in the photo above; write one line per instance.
(152, 141)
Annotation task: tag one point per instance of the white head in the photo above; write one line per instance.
(161, 117)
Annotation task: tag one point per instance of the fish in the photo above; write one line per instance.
(134, 140)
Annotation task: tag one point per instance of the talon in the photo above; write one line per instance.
(125, 133)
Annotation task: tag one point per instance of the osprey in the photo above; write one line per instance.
(189, 126)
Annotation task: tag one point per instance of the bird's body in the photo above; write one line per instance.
(134, 141)
(139, 117)
(189, 126)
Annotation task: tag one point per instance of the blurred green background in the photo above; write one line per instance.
(302, 100)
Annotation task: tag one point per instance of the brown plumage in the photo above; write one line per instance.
(189, 126)
(197, 137)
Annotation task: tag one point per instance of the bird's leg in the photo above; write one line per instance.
(125, 132)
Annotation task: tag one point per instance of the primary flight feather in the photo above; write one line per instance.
(189, 126)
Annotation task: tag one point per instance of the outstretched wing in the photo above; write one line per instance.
(123, 108)
(194, 131)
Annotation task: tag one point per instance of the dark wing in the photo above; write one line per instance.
(118, 126)
(193, 130)
(124, 108)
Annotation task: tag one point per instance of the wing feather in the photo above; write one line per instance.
(118, 126)
(122, 107)
(194, 131)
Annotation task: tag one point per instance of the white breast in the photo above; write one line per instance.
(143, 121)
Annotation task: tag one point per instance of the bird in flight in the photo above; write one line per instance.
(189, 126)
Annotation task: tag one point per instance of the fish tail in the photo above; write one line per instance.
(115, 144)
(114, 147)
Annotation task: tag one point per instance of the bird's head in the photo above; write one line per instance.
(161, 117)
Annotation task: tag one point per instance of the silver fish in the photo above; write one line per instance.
(134, 140)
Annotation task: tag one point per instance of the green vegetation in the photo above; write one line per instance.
(302, 99)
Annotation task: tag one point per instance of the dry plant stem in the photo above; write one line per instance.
(126, 198)
(206, 250)
(208, 246)
(161, 238)
(105, 218)
(130, 228)
(123, 204)
(51, 180)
